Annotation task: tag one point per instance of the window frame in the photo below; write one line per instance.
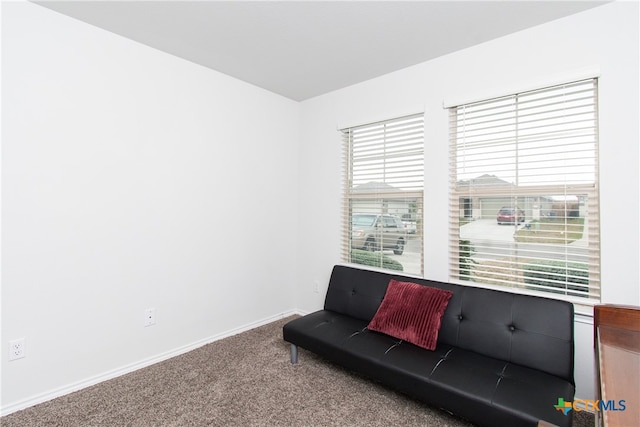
(460, 208)
(390, 175)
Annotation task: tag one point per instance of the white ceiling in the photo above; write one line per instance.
(301, 49)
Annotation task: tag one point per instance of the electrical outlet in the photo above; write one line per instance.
(16, 349)
(149, 317)
(316, 286)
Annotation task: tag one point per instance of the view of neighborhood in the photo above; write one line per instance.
(543, 238)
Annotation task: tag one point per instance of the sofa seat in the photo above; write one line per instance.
(501, 359)
(450, 378)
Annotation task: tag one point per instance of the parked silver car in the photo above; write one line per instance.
(374, 232)
(410, 224)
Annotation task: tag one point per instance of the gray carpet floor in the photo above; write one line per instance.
(243, 380)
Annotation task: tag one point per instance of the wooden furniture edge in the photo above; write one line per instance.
(617, 316)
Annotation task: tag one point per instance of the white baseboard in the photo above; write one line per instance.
(70, 388)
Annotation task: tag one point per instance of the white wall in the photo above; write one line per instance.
(133, 179)
(605, 38)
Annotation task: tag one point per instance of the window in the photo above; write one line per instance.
(384, 181)
(524, 191)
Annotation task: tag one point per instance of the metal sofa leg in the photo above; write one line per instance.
(294, 354)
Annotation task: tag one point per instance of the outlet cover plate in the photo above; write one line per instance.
(16, 349)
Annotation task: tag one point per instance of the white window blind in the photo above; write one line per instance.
(383, 194)
(524, 191)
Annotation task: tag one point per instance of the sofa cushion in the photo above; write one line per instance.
(411, 312)
(481, 389)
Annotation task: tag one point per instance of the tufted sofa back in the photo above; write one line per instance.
(526, 330)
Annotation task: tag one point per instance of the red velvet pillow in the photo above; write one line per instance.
(412, 313)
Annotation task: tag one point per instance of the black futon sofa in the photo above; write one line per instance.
(501, 359)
